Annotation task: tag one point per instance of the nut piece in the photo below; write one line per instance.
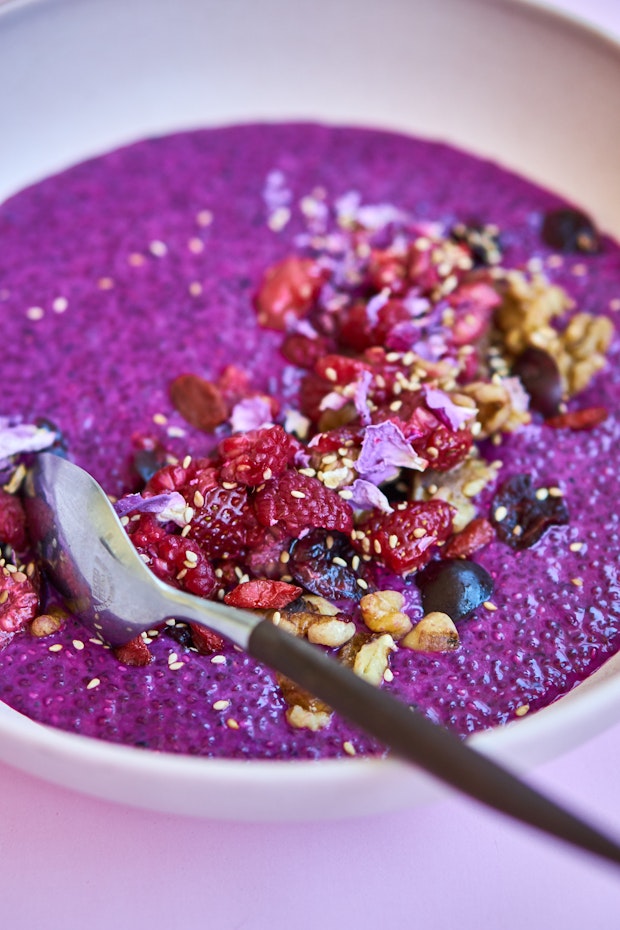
(46, 624)
(373, 659)
(303, 719)
(435, 632)
(381, 612)
(331, 632)
(320, 604)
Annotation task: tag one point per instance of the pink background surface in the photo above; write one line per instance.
(67, 861)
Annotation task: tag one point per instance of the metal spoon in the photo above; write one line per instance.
(93, 564)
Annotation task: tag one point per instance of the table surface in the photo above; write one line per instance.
(68, 861)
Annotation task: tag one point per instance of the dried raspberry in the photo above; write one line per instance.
(340, 369)
(355, 329)
(403, 540)
(474, 536)
(298, 502)
(254, 457)
(473, 304)
(303, 351)
(199, 402)
(265, 558)
(12, 521)
(225, 525)
(521, 514)
(182, 563)
(288, 291)
(206, 641)
(19, 601)
(587, 418)
(262, 594)
(343, 437)
(135, 653)
(387, 268)
(444, 448)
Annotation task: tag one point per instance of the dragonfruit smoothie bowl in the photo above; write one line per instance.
(349, 360)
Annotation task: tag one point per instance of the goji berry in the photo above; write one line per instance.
(587, 418)
(200, 402)
(474, 536)
(262, 593)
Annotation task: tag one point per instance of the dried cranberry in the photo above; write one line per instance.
(454, 586)
(404, 539)
(262, 594)
(303, 351)
(521, 515)
(540, 376)
(587, 418)
(323, 564)
(256, 456)
(12, 521)
(199, 402)
(474, 536)
(298, 502)
(570, 230)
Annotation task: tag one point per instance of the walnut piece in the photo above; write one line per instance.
(435, 632)
(381, 612)
(373, 659)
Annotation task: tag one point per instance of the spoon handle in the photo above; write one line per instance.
(413, 737)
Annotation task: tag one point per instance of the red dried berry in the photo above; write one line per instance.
(404, 539)
(264, 559)
(19, 601)
(340, 369)
(355, 330)
(263, 594)
(181, 563)
(199, 402)
(587, 418)
(205, 641)
(12, 521)
(323, 564)
(387, 268)
(474, 536)
(225, 525)
(256, 456)
(444, 448)
(541, 378)
(473, 304)
(288, 291)
(303, 351)
(297, 502)
(135, 653)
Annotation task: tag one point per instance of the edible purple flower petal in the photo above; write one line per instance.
(169, 507)
(360, 397)
(384, 452)
(449, 413)
(250, 413)
(17, 438)
(364, 495)
(374, 305)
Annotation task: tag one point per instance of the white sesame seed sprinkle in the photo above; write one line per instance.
(35, 313)
(348, 747)
(221, 704)
(175, 666)
(93, 683)
(298, 494)
(500, 513)
(218, 660)
(60, 304)
(78, 644)
(57, 647)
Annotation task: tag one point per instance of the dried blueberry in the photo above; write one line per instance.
(570, 230)
(322, 563)
(148, 461)
(541, 378)
(521, 513)
(454, 587)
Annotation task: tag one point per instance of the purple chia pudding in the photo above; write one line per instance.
(125, 273)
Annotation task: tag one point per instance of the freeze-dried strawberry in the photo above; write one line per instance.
(206, 641)
(200, 402)
(288, 291)
(19, 601)
(297, 502)
(135, 653)
(404, 539)
(263, 594)
(181, 563)
(587, 418)
(256, 456)
(225, 525)
(444, 448)
(474, 536)
(12, 521)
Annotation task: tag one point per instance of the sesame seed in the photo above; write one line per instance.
(186, 530)
(348, 747)
(172, 658)
(175, 666)
(160, 418)
(345, 494)
(267, 474)
(556, 492)
(376, 545)
(362, 584)
(158, 248)
(331, 374)
(195, 288)
(105, 284)
(229, 485)
(204, 218)
(60, 304)
(218, 660)
(419, 532)
(171, 622)
(221, 705)
(576, 546)
(232, 723)
(298, 494)
(57, 647)
(35, 313)
(517, 530)
(198, 499)
(500, 513)
(522, 710)
(578, 582)
(276, 617)
(78, 644)
(388, 675)
(542, 494)
(355, 562)
(489, 605)
(93, 683)
(393, 541)
(191, 556)
(338, 561)
(285, 557)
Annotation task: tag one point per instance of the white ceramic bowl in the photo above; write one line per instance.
(507, 80)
